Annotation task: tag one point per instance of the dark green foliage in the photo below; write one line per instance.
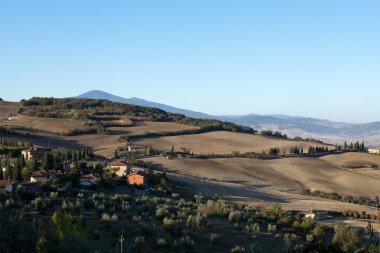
(88, 108)
(273, 134)
(47, 162)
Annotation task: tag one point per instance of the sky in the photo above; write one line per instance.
(305, 58)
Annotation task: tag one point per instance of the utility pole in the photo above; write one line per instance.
(121, 240)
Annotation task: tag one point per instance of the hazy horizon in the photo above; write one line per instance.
(311, 59)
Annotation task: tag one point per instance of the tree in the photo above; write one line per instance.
(26, 173)
(16, 172)
(66, 225)
(42, 243)
(47, 162)
(22, 161)
(32, 164)
(346, 238)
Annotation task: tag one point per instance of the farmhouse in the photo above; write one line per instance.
(42, 176)
(375, 151)
(88, 180)
(136, 177)
(5, 187)
(31, 153)
(136, 148)
(120, 168)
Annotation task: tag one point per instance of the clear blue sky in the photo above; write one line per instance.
(311, 58)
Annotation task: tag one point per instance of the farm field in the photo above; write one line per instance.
(274, 181)
(143, 127)
(8, 108)
(222, 142)
(100, 143)
(54, 125)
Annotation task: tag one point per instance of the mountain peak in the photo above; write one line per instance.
(98, 94)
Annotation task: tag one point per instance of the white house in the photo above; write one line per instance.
(42, 176)
(375, 151)
(120, 168)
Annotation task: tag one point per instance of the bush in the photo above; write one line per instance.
(237, 249)
(234, 216)
(214, 240)
(174, 226)
(195, 223)
(187, 243)
(253, 229)
(346, 238)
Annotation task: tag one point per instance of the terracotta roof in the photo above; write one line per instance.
(140, 173)
(89, 177)
(3, 183)
(44, 173)
(118, 163)
(39, 174)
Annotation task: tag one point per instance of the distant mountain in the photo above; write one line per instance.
(328, 131)
(97, 94)
(305, 127)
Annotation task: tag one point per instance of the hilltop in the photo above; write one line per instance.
(293, 126)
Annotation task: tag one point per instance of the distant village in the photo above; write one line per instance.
(36, 168)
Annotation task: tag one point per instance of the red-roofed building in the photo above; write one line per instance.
(42, 176)
(137, 178)
(119, 168)
(89, 180)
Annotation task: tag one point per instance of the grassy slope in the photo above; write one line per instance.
(222, 142)
(290, 174)
(8, 108)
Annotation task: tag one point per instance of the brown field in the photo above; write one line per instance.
(222, 142)
(101, 144)
(8, 108)
(150, 127)
(56, 125)
(272, 181)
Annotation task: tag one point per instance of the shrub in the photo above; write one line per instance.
(346, 238)
(307, 224)
(161, 243)
(172, 225)
(272, 228)
(237, 249)
(187, 243)
(234, 216)
(214, 240)
(195, 223)
(253, 229)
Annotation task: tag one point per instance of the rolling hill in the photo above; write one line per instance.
(97, 94)
(305, 127)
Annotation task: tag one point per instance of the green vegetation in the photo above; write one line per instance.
(91, 109)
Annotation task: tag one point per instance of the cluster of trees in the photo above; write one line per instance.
(274, 151)
(276, 134)
(296, 150)
(344, 198)
(83, 220)
(19, 169)
(357, 146)
(318, 150)
(89, 108)
(5, 130)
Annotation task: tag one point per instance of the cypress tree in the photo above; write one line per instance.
(17, 170)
